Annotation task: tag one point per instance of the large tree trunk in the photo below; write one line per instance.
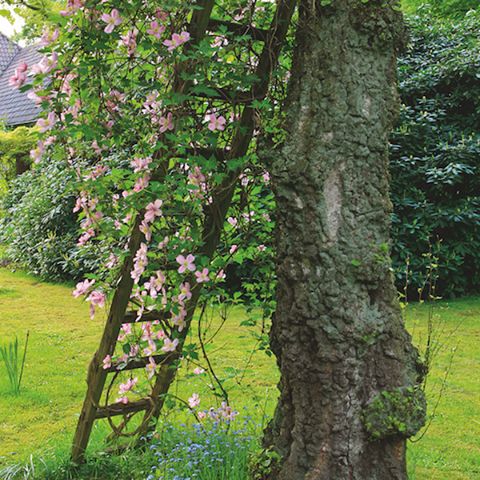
(349, 372)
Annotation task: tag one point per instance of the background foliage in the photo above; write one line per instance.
(435, 156)
(39, 226)
(15, 146)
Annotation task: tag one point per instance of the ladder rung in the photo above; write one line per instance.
(131, 317)
(136, 363)
(239, 29)
(116, 409)
(229, 96)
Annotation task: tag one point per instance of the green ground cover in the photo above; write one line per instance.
(63, 338)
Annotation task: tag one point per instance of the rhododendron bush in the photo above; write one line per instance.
(146, 114)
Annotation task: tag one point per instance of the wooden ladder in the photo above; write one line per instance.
(200, 23)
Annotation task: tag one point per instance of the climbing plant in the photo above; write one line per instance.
(158, 123)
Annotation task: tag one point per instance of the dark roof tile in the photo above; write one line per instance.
(15, 107)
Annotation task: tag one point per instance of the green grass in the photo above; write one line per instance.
(63, 338)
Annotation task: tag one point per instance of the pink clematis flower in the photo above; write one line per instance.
(140, 164)
(20, 76)
(185, 293)
(112, 20)
(216, 123)
(202, 276)
(82, 288)
(96, 299)
(176, 41)
(166, 123)
(72, 7)
(128, 385)
(156, 29)
(48, 37)
(107, 362)
(153, 210)
(45, 124)
(199, 371)
(194, 400)
(37, 153)
(130, 41)
(186, 263)
(150, 368)
(46, 64)
(169, 345)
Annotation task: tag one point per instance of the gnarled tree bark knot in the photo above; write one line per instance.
(349, 373)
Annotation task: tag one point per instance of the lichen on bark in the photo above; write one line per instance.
(398, 412)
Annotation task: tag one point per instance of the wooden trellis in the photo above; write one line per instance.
(200, 23)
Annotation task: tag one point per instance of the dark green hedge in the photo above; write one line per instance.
(435, 156)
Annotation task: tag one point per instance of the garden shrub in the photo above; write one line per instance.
(15, 146)
(435, 157)
(39, 226)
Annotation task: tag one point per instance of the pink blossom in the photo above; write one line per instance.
(86, 236)
(156, 29)
(37, 153)
(128, 385)
(202, 276)
(112, 20)
(186, 263)
(176, 41)
(216, 123)
(199, 371)
(72, 7)
(123, 400)
(45, 124)
(107, 362)
(150, 368)
(140, 164)
(221, 275)
(130, 41)
(185, 293)
(161, 15)
(166, 123)
(153, 210)
(20, 76)
(179, 319)
(232, 221)
(48, 37)
(169, 345)
(140, 262)
(194, 400)
(261, 248)
(96, 299)
(227, 412)
(201, 415)
(233, 249)
(46, 64)
(141, 183)
(82, 288)
(155, 284)
(146, 230)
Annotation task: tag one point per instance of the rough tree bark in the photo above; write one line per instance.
(349, 373)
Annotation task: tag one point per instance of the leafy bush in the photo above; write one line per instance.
(39, 226)
(435, 157)
(15, 146)
(441, 8)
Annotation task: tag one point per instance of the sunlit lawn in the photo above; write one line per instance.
(63, 339)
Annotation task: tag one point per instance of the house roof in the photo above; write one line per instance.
(15, 107)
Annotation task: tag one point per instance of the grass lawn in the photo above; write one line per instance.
(63, 338)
